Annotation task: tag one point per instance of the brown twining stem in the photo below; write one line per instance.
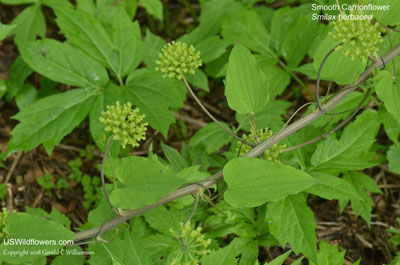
(84, 236)
(210, 115)
(196, 203)
(319, 78)
(103, 184)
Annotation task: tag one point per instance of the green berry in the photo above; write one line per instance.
(177, 58)
(358, 37)
(271, 154)
(125, 123)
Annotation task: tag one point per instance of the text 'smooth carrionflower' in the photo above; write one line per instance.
(192, 245)
(271, 154)
(125, 124)
(177, 58)
(358, 37)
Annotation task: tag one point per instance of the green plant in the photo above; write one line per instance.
(250, 187)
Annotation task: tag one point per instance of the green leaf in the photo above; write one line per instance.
(145, 182)
(361, 182)
(152, 46)
(26, 96)
(211, 48)
(49, 119)
(329, 254)
(62, 63)
(163, 220)
(223, 256)
(154, 95)
(93, 37)
(121, 251)
(298, 38)
(292, 221)
(391, 126)
(174, 157)
(210, 19)
(389, 16)
(388, 90)
(247, 28)
(19, 71)
(193, 174)
(29, 23)
(212, 137)
(54, 215)
(279, 260)
(5, 30)
(262, 181)
(153, 7)
(269, 117)
(87, 6)
(126, 38)
(393, 156)
(199, 79)
(27, 226)
(338, 67)
(348, 152)
(246, 87)
(331, 187)
(277, 78)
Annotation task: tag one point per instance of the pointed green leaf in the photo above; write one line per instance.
(92, 38)
(280, 259)
(29, 23)
(5, 30)
(28, 227)
(174, 157)
(388, 90)
(331, 187)
(212, 137)
(62, 63)
(48, 120)
(246, 87)
(329, 254)
(246, 27)
(354, 143)
(261, 181)
(144, 181)
(292, 221)
(390, 16)
(223, 256)
(153, 7)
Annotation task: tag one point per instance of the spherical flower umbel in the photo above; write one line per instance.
(125, 124)
(358, 37)
(3, 226)
(192, 245)
(177, 58)
(271, 154)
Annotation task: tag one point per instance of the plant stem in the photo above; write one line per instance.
(103, 184)
(210, 115)
(319, 78)
(344, 122)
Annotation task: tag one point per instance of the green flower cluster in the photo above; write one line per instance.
(3, 226)
(359, 37)
(193, 245)
(263, 134)
(177, 58)
(125, 123)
